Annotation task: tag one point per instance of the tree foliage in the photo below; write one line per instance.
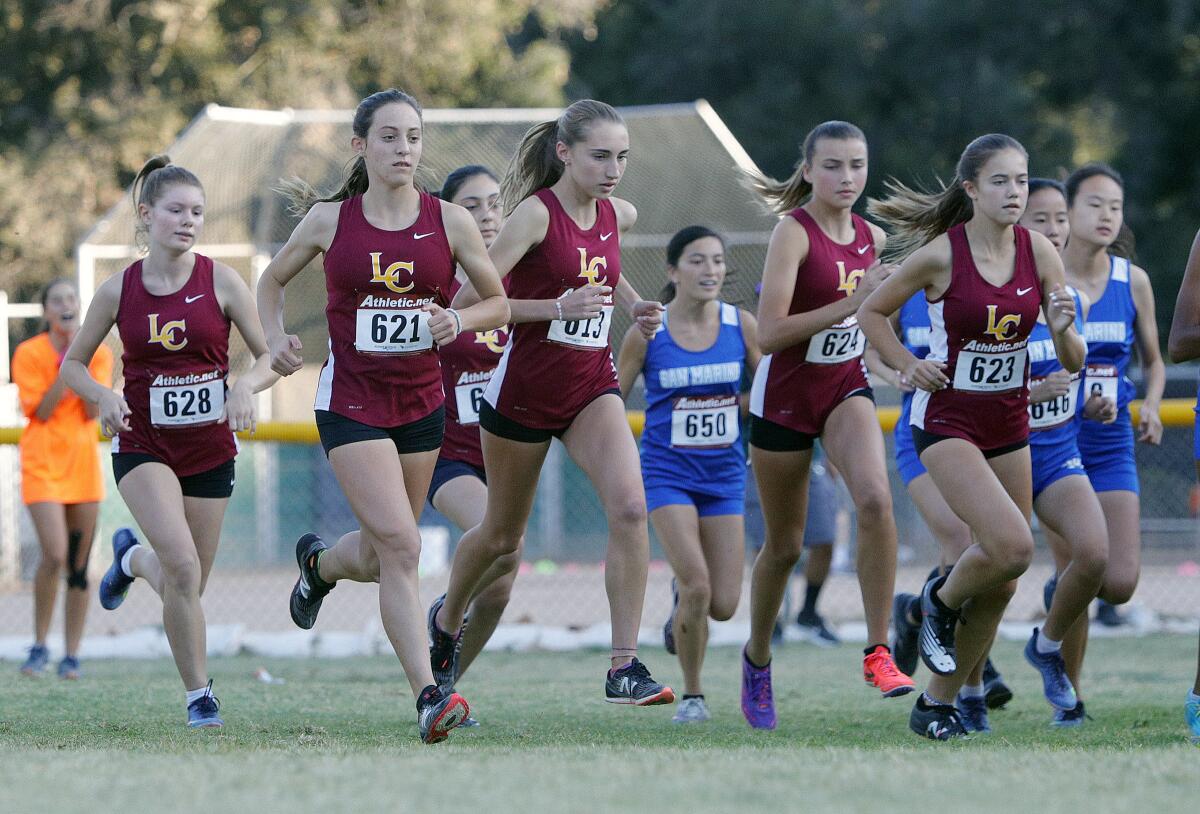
(1074, 81)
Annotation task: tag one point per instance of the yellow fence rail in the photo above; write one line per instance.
(1174, 413)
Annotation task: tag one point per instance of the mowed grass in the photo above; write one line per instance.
(341, 736)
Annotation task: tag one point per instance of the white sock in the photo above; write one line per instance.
(127, 561)
(972, 691)
(196, 695)
(1044, 645)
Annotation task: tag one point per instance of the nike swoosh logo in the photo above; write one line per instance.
(418, 237)
(192, 299)
(606, 237)
(1021, 292)
(863, 249)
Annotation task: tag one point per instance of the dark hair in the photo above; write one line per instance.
(535, 165)
(917, 217)
(152, 182)
(680, 241)
(48, 287)
(1038, 184)
(782, 197)
(460, 176)
(1125, 244)
(302, 196)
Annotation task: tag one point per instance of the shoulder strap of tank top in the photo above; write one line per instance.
(862, 229)
(729, 315)
(1120, 268)
(130, 282)
(434, 205)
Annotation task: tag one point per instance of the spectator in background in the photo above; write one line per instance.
(60, 472)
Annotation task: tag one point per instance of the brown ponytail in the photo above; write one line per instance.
(536, 165)
(781, 197)
(916, 217)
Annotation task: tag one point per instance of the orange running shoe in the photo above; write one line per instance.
(880, 670)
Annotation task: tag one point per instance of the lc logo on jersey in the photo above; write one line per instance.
(848, 280)
(492, 339)
(390, 276)
(1000, 329)
(590, 269)
(165, 335)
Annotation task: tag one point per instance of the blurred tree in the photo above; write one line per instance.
(1074, 81)
(91, 88)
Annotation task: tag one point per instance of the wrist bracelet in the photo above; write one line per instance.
(558, 309)
(457, 319)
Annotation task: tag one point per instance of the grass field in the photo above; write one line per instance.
(340, 736)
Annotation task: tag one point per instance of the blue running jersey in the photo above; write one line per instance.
(1107, 448)
(692, 435)
(914, 333)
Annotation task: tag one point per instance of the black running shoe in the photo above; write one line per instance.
(669, 627)
(309, 590)
(904, 643)
(995, 690)
(443, 648)
(438, 713)
(939, 722)
(937, 632)
(632, 684)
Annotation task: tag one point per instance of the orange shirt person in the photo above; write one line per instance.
(60, 472)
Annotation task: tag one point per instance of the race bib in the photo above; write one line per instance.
(835, 345)
(186, 405)
(1102, 380)
(582, 333)
(982, 372)
(704, 422)
(1047, 414)
(387, 330)
(468, 397)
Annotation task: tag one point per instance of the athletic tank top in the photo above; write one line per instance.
(175, 362)
(383, 366)
(816, 369)
(980, 331)
(552, 370)
(1110, 336)
(1053, 422)
(692, 410)
(467, 366)
(914, 334)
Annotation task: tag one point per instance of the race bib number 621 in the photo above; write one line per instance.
(391, 331)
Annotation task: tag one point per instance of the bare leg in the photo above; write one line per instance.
(600, 443)
(678, 530)
(81, 524)
(49, 520)
(1123, 517)
(952, 534)
(855, 446)
(1069, 507)
(782, 479)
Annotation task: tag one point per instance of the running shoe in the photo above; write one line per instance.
(691, 711)
(632, 684)
(995, 690)
(468, 723)
(758, 701)
(115, 583)
(1055, 684)
(1192, 711)
(39, 658)
(880, 670)
(1070, 718)
(1107, 615)
(439, 712)
(907, 633)
(814, 630)
(443, 648)
(939, 722)
(669, 626)
(202, 713)
(937, 632)
(68, 668)
(974, 713)
(1048, 591)
(310, 590)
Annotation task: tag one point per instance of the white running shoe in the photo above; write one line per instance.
(691, 711)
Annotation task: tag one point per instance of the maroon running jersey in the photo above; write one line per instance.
(981, 331)
(383, 366)
(467, 366)
(175, 361)
(551, 370)
(799, 386)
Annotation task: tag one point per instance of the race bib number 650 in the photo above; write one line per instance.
(704, 421)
